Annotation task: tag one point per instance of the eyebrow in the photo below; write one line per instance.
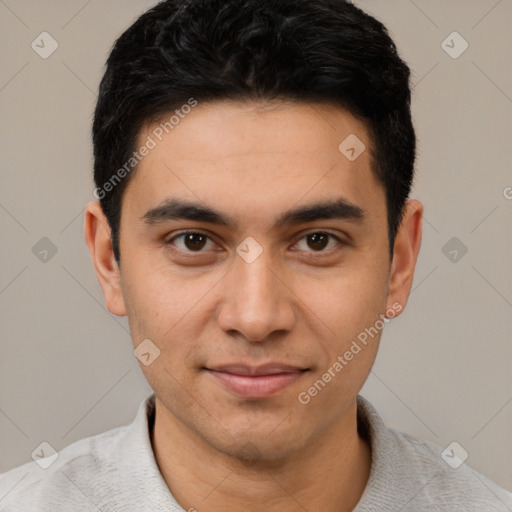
(181, 209)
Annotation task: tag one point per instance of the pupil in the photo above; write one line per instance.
(191, 240)
(319, 240)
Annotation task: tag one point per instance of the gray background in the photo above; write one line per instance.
(443, 372)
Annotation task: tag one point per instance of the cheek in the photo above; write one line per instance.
(346, 300)
(172, 311)
(349, 351)
(158, 298)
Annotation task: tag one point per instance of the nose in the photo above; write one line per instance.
(256, 300)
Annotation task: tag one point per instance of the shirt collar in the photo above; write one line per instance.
(137, 472)
(393, 482)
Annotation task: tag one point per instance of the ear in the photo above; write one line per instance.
(97, 235)
(406, 250)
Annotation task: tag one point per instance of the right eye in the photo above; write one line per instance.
(191, 241)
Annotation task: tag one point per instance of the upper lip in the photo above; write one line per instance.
(264, 369)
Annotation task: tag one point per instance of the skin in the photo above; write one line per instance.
(294, 304)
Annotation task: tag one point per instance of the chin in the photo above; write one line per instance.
(264, 448)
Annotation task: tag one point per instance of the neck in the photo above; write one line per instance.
(329, 474)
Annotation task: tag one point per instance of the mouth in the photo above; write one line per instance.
(256, 382)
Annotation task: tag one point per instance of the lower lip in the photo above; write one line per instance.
(256, 386)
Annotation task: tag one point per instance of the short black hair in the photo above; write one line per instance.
(184, 51)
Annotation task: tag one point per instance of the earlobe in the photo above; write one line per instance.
(406, 250)
(97, 236)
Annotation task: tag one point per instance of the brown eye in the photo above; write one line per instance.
(194, 241)
(191, 241)
(318, 242)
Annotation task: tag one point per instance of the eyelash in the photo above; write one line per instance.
(313, 253)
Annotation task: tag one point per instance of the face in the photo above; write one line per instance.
(254, 254)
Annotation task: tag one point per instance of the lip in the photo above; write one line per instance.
(263, 369)
(256, 382)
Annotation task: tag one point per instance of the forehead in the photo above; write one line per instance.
(256, 158)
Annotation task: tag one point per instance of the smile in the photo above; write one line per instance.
(256, 385)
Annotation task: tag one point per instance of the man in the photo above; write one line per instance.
(253, 164)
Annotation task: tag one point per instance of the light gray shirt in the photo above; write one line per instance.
(116, 471)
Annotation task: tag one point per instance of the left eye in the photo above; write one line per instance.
(318, 241)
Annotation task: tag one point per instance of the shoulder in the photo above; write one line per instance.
(63, 483)
(452, 481)
(418, 475)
